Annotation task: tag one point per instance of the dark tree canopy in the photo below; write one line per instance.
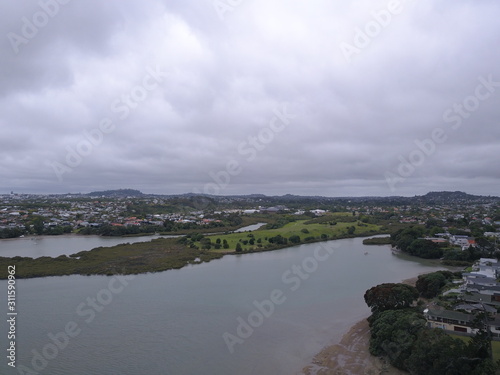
(425, 249)
(399, 333)
(410, 241)
(437, 353)
(393, 334)
(430, 284)
(390, 296)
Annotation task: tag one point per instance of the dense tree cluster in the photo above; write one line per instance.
(431, 284)
(436, 353)
(400, 335)
(278, 240)
(390, 296)
(11, 232)
(410, 241)
(469, 255)
(394, 333)
(110, 230)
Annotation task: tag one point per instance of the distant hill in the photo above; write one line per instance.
(434, 197)
(120, 193)
(449, 195)
(452, 196)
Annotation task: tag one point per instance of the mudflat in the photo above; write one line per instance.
(352, 356)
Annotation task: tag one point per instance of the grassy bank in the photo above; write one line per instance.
(293, 234)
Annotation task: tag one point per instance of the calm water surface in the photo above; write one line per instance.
(173, 322)
(53, 246)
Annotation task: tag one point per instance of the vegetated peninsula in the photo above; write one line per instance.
(443, 322)
(447, 324)
(167, 253)
(456, 227)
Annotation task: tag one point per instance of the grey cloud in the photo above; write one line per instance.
(225, 79)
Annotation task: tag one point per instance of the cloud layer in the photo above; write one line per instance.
(162, 95)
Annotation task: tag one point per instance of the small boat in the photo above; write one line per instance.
(366, 252)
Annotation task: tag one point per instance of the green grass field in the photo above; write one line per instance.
(298, 228)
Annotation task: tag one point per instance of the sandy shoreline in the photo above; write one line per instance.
(351, 356)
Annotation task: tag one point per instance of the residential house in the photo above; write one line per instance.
(476, 308)
(448, 320)
(459, 322)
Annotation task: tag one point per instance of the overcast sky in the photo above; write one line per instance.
(334, 98)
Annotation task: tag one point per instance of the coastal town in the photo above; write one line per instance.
(455, 230)
(468, 217)
(478, 292)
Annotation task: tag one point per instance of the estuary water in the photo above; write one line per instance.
(261, 313)
(53, 246)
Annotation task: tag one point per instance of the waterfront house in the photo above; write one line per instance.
(453, 321)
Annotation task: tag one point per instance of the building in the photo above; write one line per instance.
(453, 321)
(459, 323)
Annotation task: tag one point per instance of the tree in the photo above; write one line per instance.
(10, 233)
(234, 220)
(38, 225)
(480, 345)
(206, 243)
(437, 353)
(169, 225)
(390, 296)
(238, 248)
(430, 223)
(403, 238)
(279, 239)
(425, 249)
(351, 230)
(429, 285)
(393, 333)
